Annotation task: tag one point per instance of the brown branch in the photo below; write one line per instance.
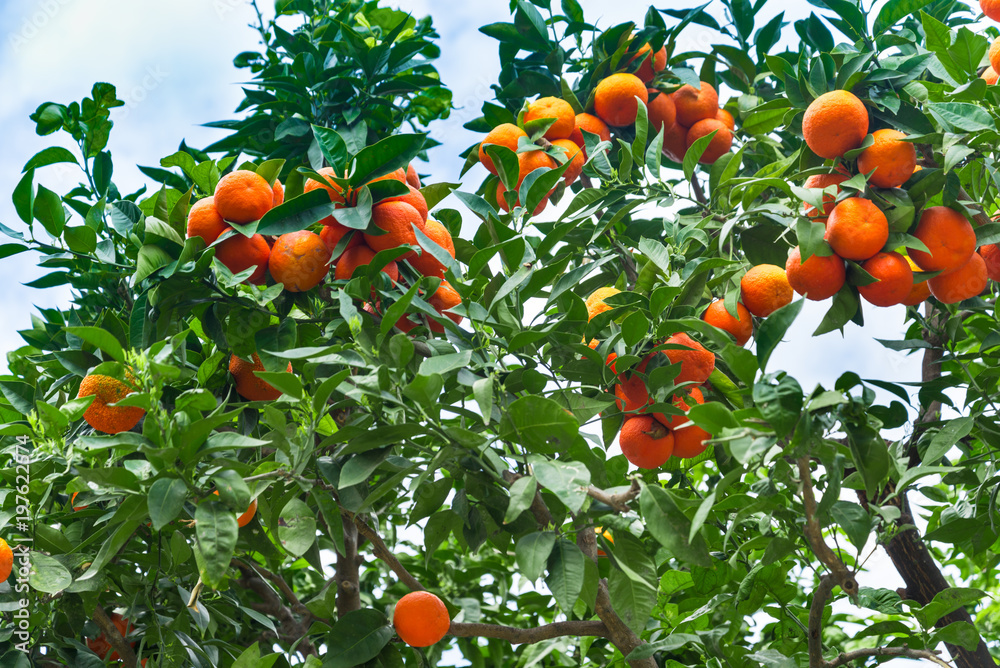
(114, 637)
(290, 629)
(538, 508)
(821, 595)
(847, 657)
(517, 636)
(814, 534)
(699, 194)
(617, 501)
(381, 551)
(285, 589)
(348, 574)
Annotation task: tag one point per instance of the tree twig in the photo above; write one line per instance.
(517, 636)
(381, 551)
(617, 501)
(291, 630)
(847, 657)
(114, 636)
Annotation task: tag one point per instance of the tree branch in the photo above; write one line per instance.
(617, 501)
(290, 629)
(821, 595)
(847, 657)
(538, 507)
(114, 636)
(348, 575)
(517, 636)
(381, 551)
(814, 534)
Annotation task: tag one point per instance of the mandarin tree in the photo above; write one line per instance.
(312, 405)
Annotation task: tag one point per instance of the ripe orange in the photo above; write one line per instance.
(299, 260)
(102, 416)
(675, 142)
(720, 143)
(726, 118)
(835, 123)
(991, 8)
(6, 560)
(102, 647)
(595, 302)
(247, 515)
(631, 393)
(505, 205)
(921, 291)
(651, 64)
(279, 194)
(689, 438)
(893, 159)
(740, 327)
(332, 234)
(529, 161)
(444, 299)
(72, 499)
(248, 385)
(335, 191)
(412, 178)
(989, 75)
(765, 289)
(829, 201)
(414, 198)
(949, 237)
(426, 263)
(856, 229)
(960, 284)
(397, 220)
(895, 279)
(398, 174)
(421, 619)
(204, 221)
(994, 54)
(697, 363)
(575, 156)
(817, 278)
(615, 98)
(695, 105)
(506, 134)
(991, 255)
(645, 442)
(239, 253)
(361, 256)
(553, 107)
(591, 124)
(243, 196)
(661, 110)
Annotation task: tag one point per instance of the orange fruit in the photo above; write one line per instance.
(100, 414)
(765, 289)
(506, 134)
(6, 560)
(239, 253)
(825, 181)
(615, 98)
(948, 236)
(421, 619)
(247, 515)
(920, 291)
(600, 531)
(72, 499)
(651, 64)
(412, 178)
(279, 194)
(960, 284)
(361, 256)
(989, 75)
(444, 299)
(397, 220)
(595, 302)
(991, 255)
(856, 229)
(575, 156)
(675, 142)
(893, 160)
(553, 107)
(243, 196)
(248, 385)
(591, 124)
(991, 8)
(695, 105)
(398, 174)
(426, 263)
(645, 442)
(505, 205)
(720, 143)
(740, 327)
(631, 393)
(895, 279)
(299, 260)
(204, 221)
(529, 161)
(414, 198)
(100, 645)
(335, 191)
(697, 363)
(994, 54)
(835, 123)
(332, 234)
(726, 118)
(661, 110)
(818, 277)
(689, 438)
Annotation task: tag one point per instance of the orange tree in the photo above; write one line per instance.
(312, 417)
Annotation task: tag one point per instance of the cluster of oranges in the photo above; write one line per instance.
(648, 439)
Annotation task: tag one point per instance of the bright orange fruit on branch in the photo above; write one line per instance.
(506, 134)
(204, 221)
(615, 98)
(396, 219)
(726, 118)
(595, 302)
(695, 105)
(960, 284)
(299, 260)
(835, 123)
(920, 291)
(893, 159)
(333, 189)
(765, 289)
(991, 8)
(332, 234)
(553, 107)
(243, 196)
(591, 124)
(651, 64)
(740, 327)
(248, 385)
(645, 442)
(689, 438)
(361, 256)
(895, 279)
(697, 363)
(829, 201)
(414, 198)
(991, 255)
(426, 263)
(444, 299)
(574, 155)
(856, 229)
(100, 414)
(6, 560)
(661, 110)
(675, 142)
(239, 253)
(412, 178)
(994, 54)
(421, 619)
(989, 75)
(719, 144)
(948, 236)
(817, 278)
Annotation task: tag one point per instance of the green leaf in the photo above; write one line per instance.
(773, 329)
(961, 116)
(48, 574)
(566, 573)
(251, 658)
(632, 586)
(532, 553)
(885, 601)
(166, 499)
(297, 527)
(894, 11)
(946, 602)
(522, 494)
(671, 528)
(215, 541)
(49, 211)
(567, 480)
(24, 197)
(855, 522)
(694, 153)
(385, 156)
(356, 638)
(101, 339)
(950, 434)
(539, 424)
(959, 633)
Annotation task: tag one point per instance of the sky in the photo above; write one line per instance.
(172, 64)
